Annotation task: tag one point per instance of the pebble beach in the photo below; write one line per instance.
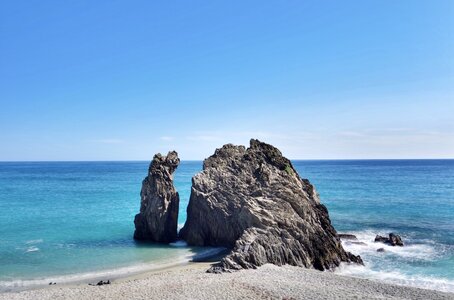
(267, 282)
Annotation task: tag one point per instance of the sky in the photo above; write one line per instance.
(123, 80)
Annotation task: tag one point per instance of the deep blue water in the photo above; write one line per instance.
(63, 220)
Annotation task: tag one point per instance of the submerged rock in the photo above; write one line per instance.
(381, 239)
(393, 240)
(253, 200)
(158, 217)
(347, 236)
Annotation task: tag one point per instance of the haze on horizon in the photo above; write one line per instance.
(116, 80)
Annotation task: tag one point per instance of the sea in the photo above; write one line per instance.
(73, 221)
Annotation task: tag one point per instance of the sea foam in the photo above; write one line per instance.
(32, 249)
(391, 266)
(396, 277)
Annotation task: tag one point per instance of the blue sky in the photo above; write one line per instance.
(122, 80)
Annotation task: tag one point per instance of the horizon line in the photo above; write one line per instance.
(201, 160)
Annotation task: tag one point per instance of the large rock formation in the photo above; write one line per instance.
(253, 200)
(158, 217)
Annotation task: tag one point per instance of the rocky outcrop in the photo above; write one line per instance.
(253, 200)
(393, 240)
(158, 217)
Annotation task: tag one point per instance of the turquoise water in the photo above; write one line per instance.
(68, 220)
(413, 198)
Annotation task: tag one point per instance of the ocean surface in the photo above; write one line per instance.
(69, 221)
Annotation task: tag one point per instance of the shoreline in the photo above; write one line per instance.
(190, 280)
(77, 279)
(114, 274)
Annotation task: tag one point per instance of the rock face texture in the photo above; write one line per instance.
(158, 217)
(253, 200)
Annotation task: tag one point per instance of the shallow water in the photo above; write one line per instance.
(58, 219)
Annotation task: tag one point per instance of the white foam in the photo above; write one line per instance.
(38, 241)
(369, 248)
(395, 277)
(32, 249)
(384, 266)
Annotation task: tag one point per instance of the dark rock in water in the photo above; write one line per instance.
(381, 250)
(381, 239)
(393, 239)
(158, 217)
(347, 236)
(253, 200)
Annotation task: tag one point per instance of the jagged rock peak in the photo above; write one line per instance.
(158, 217)
(254, 201)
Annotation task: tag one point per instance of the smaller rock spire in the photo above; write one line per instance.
(158, 217)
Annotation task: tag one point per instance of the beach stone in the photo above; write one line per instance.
(158, 217)
(254, 202)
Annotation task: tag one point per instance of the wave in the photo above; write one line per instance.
(32, 249)
(38, 241)
(396, 277)
(396, 265)
(367, 246)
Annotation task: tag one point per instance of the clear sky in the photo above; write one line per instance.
(122, 80)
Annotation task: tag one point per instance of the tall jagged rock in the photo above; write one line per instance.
(158, 217)
(253, 201)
